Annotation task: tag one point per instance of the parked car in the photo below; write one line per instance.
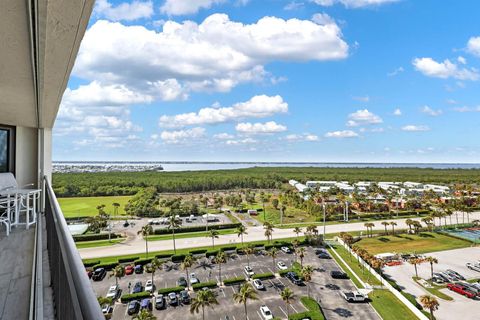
(319, 250)
(133, 307)
(354, 296)
(184, 297)
(172, 299)
(461, 290)
(323, 255)
(473, 266)
(182, 282)
(470, 287)
(138, 269)
(137, 287)
(160, 302)
(281, 265)
(266, 313)
(146, 304)
(149, 286)
(107, 311)
(112, 292)
(129, 270)
(442, 276)
(294, 278)
(193, 278)
(257, 283)
(248, 271)
(438, 279)
(99, 274)
(455, 273)
(286, 249)
(450, 277)
(338, 274)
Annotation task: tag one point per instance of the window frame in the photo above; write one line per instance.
(11, 144)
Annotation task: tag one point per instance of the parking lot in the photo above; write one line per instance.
(322, 288)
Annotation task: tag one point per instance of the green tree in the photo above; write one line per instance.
(155, 265)
(249, 250)
(273, 253)
(204, 298)
(301, 255)
(214, 235)
(145, 232)
(220, 258)
(188, 262)
(245, 294)
(431, 260)
(241, 230)
(118, 272)
(297, 231)
(287, 297)
(268, 230)
(115, 205)
(172, 225)
(306, 273)
(431, 303)
(144, 314)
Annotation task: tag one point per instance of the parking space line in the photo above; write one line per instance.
(232, 289)
(270, 270)
(224, 295)
(283, 311)
(294, 308)
(259, 315)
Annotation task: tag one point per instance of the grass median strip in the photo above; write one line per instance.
(389, 307)
(97, 243)
(188, 235)
(434, 289)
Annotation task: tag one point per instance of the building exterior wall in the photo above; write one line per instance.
(26, 156)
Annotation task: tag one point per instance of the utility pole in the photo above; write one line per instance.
(324, 219)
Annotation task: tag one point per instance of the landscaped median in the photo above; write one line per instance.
(433, 288)
(314, 310)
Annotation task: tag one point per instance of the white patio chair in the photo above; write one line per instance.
(7, 207)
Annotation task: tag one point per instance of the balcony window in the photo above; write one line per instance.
(7, 151)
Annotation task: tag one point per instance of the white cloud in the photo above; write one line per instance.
(354, 3)
(363, 117)
(182, 136)
(293, 5)
(397, 112)
(413, 128)
(215, 55)
(259, 128)
(462, 60)
(124, 11)
(444, 70)
(241, 141)
(431, 112)
(257, 107)
(467, 109)
(341, 134)
(223, 136)
(301, 137)
(183, 7)
(322, 18)
(362, 98)
(395, 72)
(473, 46)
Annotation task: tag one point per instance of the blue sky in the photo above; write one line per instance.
(272, 80)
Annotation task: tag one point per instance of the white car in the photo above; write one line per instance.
(281, 265)
(248, 271)
(149, 286)
(286, 249)
(266, 313)
(193, 278)
(258, 284)
(473, 266)
(112, 292)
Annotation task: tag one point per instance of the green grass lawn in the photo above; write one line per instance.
(435, 289)
(291, 215)
(97, 243)
(389, 307)
(407, 243)
(85, 207)
(189, 235)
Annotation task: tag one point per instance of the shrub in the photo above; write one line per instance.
(93, 237)
(91, 264)
(131, 259)
(134, 296)
(172, 289)
(240, 251)
(259, 245)
(263, 276)
(197, 228)
(231, 248)
(164, 255)
(314, 310)
(142, 261)
(178, 258)
(233, 281)
(211, 253)
(269, 247)
(282, 273)
(198, 251)
(209, 284)
(106, 266)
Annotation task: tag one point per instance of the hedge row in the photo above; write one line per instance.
(209, 284)
(178, 257)
(142, 262)
(231, 281)
(212, 253)
(134, 296)
(125, 260)
(91, 264)
(263, 276)
(282, 273)
(164, 255)
(199, 251)
(106, 266)
(172, 289)
(231, 248)
(197, 228)
(94, 236)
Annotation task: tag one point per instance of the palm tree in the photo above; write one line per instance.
(431, 260)
(241, 230)
(268, 230)
(187, 263)
(220, 258)
(249, 251)
(118, 273)
(144, 314)
(385, 224)
(393, 224)
(204, 298)
(172, 225)
(288, 297)
(145, 232)
(431, 303)
(273, 253)
(245, 294)
(415, 262)
(301, 254)
(155, 265)
(297, 231)
(213, 234)
(369, 226)
(408, 222)
(307, 272)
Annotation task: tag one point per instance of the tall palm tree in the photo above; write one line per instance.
(118, 273)
(187, 263)
(220, 258)
(204, 298)
(297, 231)
(144, 314)
(245, 294)
(268, 230)
(213, 233)
(415, 262)
(155, 265)
(393, 224)
(430, 303)
(306, 273)
(385, 224)
(241, 230)
(145, 232)
(301, 255)
(172, 225)
(288, 297)
(115, 205)
(249, 251)
(431, 260)
(273, 253)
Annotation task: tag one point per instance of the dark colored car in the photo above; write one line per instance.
(294, 278)
(323, 255)
(137, 287)
(146, 304)
(184, 297)
(464, 291)
(138, 269)
(160, 302)
(172, 299)
(133, 307)
(182, 282)
(319, 250)
(338, 274)
(99, 274)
